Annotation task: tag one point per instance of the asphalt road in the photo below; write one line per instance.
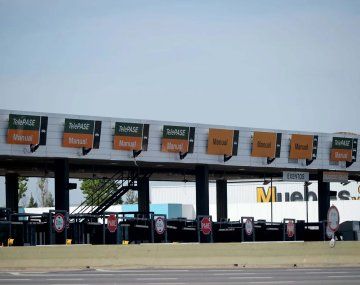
(191, 276)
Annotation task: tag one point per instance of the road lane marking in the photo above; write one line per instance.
(65, 279)
(327, 272)
(156, 278)
(163, 283)
(343, 276)
(248, 277)
(233, 273)
(273, 282)
(14, 279)
(142, 271)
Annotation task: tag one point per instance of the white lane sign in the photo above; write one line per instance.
(333, 218)
(248, 227)
(59, 222)
(160, 225)
(296, 176)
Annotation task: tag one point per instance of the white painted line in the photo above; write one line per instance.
(304, 269)
(233, 273)
(226, 270)
(343, 276)
(252, 277)
(14, 280)
(327, 272)
(163, 283)
(272, 282)
(26, 272)
(65, 279)
(158, 278)
(68, 284)
(68, 274)
(142, 271)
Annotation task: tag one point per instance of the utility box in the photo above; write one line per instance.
(350, 230)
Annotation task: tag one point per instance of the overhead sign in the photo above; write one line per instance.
(301, 147)
(266, 144)
(26, 129)
(343, 149)
(223, 142)
(332, 176)
(333, 218)
(178, 139)
(131, 136)
(295, 176)
(82, 133)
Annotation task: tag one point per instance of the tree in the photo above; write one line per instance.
(94, 195)
(46, 197)
(32, 202)
(131, 197)
(22, 189)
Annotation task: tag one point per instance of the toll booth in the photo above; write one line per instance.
(182, 230)
(315, 231)
(136, 227)
(227, 231)
(350, 230)
(265, 231)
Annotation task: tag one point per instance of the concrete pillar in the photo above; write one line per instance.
(12, 194)
(61, 184)
(144, 195)
(323, 197)
(221, 199)
(202, 189)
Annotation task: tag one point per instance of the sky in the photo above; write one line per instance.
(291, 65)
(267, 64)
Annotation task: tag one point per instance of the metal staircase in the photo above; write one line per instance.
(109, 194)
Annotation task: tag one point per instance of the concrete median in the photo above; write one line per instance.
(277, 254)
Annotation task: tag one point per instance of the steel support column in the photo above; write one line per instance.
(62, 184)
(144, 194)
(221, 200)
(202, 190)
(323, 197)
(12, 194)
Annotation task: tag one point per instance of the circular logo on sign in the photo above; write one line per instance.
(206, 225)
(248, 227)
(333, 218)
(290, 229)
(160, 225)
(59, 222)
(112, 223)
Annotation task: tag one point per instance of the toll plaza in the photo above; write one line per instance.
(134, 152)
